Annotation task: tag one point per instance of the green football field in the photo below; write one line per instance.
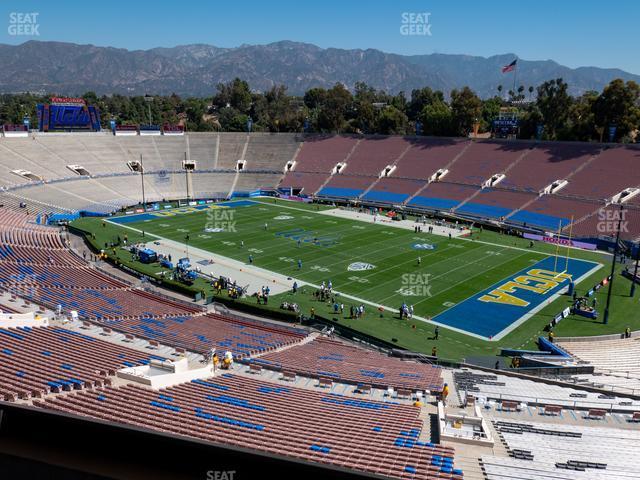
(451, 272)
(370, 264)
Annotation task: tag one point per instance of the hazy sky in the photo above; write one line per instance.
(574, 33)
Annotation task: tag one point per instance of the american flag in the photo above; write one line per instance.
(511, 66)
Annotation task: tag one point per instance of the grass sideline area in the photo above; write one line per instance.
(457, 269)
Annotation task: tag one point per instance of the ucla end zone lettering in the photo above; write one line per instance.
(492, 311)
(154, 215)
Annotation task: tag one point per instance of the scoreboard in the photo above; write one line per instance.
(507, 124)
(68, 114)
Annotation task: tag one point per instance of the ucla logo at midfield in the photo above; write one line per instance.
(360, 266)
(423, 246)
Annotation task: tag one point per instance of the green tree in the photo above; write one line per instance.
(553, 102)
(235, 94)
(333, 112)
(466, 108)
(392, 121)
(437, 119)
(618, 105)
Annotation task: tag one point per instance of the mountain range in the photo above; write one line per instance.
(195, 70)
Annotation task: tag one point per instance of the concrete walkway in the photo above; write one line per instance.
(387, 222)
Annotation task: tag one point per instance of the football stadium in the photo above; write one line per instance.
(212, 298)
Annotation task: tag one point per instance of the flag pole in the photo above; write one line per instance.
(515, 74)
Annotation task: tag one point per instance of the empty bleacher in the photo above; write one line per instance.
(346, 186)
(426, 156)
(363, 435)
(594, 173)
(604, 221)
(203, 149)
(612, 171)
(307, 183)
(200, 333)
(250, 182)
(481, 160)
(324, 357)
(443, 195)
(374, 153)
(231, 149)
(548, 162)
(619, 356)
(493, 387)
(393, 190)
(39, 360)
(35, 265)
(319, 154)
(552, 211)
(541, 451)
(270, 151)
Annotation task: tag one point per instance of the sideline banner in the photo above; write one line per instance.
(565, 242)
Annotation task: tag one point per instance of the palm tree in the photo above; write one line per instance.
(530, 92)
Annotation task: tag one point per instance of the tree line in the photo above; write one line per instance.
(549, 112)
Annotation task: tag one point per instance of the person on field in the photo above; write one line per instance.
(436, 333)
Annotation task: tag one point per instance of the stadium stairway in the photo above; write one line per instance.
(479, 191)
(583, 218)
(346, 159)
(395, 162)
(237, 176)
(522, 207)
(307, 339)
(447, 166)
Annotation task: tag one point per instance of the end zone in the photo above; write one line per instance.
(494, 312)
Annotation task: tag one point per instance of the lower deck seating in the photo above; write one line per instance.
(368, 436)
(550, 211)
(605, 222)
(307, 183)
(443, 196)
(393, 190)
(324, 357)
